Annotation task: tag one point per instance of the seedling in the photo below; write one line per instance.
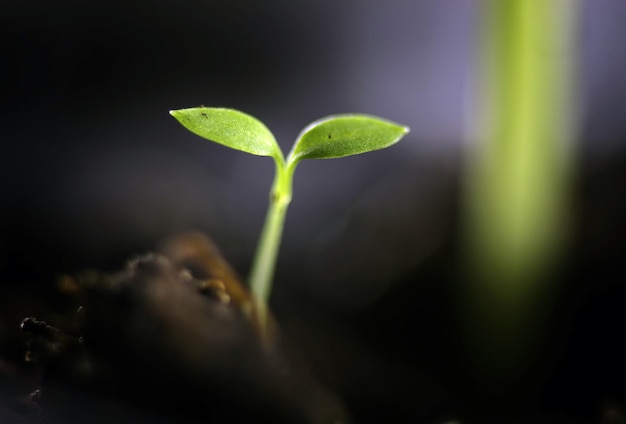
(331, 137)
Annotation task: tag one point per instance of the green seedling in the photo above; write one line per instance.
(331, 137)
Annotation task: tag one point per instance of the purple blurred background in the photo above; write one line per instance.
(93, 164)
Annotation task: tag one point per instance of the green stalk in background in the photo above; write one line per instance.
(518, 175)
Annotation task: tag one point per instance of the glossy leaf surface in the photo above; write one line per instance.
(345, 135)
(230, 128)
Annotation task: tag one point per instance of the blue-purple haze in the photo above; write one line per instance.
(93, 163)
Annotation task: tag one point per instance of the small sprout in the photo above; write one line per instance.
(335, 136)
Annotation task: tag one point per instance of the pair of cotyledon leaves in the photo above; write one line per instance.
(331, 137)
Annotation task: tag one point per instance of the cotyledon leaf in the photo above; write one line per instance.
(337, 136)
(230, 128)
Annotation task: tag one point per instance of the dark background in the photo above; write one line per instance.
(93, 170)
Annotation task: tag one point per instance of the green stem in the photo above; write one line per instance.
(269, 244)
(518, 177)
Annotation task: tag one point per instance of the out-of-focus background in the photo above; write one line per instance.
(94, 161)
(93, 171)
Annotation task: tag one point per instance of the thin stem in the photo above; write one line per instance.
(267, 250)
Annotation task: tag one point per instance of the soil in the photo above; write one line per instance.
(169, 339)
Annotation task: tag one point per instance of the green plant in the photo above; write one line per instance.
(331, 137)
(518, 178)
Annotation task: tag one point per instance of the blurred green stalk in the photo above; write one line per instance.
(518, 174)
